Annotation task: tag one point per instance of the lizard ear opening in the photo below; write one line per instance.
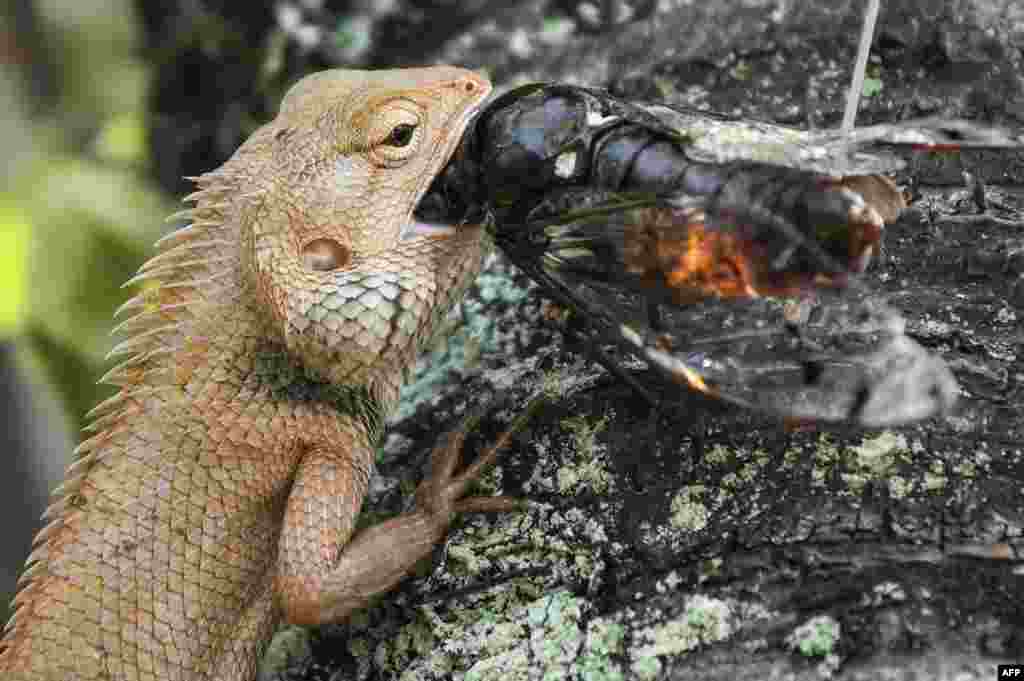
(324, 255)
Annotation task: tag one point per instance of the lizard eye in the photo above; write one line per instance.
(324, 255)
(395, 134)
(400, 135)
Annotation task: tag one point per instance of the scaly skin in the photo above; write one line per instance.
(219, 492)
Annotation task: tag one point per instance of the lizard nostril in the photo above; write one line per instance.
(324, 255)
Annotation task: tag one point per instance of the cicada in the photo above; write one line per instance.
(725, 253)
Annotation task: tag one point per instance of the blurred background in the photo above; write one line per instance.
(78, 209)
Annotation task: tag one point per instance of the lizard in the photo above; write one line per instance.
(218, 493)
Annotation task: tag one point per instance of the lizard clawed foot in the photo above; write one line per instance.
(443, 490)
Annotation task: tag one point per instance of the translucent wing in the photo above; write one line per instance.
(739, 304)
(714, 138)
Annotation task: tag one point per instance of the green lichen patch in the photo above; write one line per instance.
(588, 470)
(689, 512)
(703, 620)
(817, 637)
(545, 639)
(509, 567)
(289, 647)
(875, 458)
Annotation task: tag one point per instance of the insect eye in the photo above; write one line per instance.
(400, 135)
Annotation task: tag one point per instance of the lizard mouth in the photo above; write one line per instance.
(417, 228)
(432, 217)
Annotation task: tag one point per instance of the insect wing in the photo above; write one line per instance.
(932, 134)
(718, 139)
(860, 367)
(694, 291)
(867, 150)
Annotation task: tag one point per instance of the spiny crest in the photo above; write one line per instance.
(194, 265)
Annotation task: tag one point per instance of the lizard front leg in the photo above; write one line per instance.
(322, 576)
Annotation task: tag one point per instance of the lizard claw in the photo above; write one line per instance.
(443, 489)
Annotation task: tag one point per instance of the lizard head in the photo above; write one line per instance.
(332, 185)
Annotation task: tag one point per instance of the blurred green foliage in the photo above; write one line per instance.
(78, 214)
(14, 236)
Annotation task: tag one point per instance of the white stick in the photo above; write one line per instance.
(853, 97)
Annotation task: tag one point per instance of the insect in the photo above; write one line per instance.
(723, 252)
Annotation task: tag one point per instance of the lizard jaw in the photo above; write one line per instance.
(415, 228)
